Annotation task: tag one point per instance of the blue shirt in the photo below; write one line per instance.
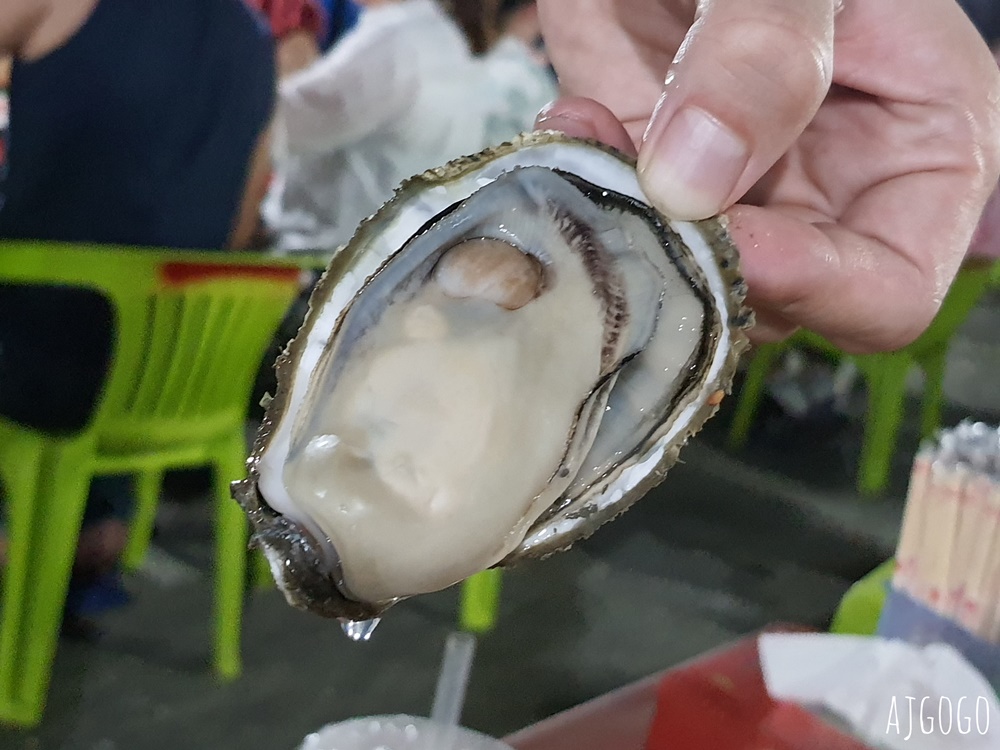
(342, 16)
(139, 129)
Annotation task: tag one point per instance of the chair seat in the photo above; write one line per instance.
(164, 443)
(155, 458)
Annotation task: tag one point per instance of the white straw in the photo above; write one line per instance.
(449, 696)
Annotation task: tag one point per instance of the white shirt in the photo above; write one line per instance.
(398, 95)
(389, 101)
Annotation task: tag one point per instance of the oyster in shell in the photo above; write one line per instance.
(507, 355)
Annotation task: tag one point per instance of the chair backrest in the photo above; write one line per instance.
(963, 295)
(191, 329)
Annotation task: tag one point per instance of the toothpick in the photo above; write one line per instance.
(968, 569)
(912, 530)
(940, 533)
(989, 623)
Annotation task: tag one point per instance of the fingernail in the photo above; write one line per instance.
(571, 126)
(690, 165)
(545, 112)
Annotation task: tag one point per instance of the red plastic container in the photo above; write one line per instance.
(715, 702)
(721, 702)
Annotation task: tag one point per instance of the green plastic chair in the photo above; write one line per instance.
(885, 375)
(861, 607)
(191, 331)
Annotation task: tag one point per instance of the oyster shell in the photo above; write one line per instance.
(506, 355)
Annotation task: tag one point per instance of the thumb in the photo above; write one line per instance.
(747, 80)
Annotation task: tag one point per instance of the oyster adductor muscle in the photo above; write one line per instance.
(507, 355)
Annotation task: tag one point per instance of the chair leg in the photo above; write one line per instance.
(933, 365)
(141, 531)
(751, 393)
(41, 551)
(231, 535)
(480, 601)
(20, 485)
(886, 376)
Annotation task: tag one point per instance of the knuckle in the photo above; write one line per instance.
(785, 66)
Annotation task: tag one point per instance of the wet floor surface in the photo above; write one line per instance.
(729, 543)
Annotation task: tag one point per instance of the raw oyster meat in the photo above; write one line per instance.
(507, 355)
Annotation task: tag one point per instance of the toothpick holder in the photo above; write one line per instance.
(906, 619)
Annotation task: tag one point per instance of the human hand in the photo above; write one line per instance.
(861, 152)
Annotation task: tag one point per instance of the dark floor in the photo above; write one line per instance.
(729, 543)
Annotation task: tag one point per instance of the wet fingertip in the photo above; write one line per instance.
(547, 111)
(585, 118)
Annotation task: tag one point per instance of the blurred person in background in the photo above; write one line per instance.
(408, 89)
(133, 122)
(388, 101)
(341, 17)
(519, 81)
(299, 28)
